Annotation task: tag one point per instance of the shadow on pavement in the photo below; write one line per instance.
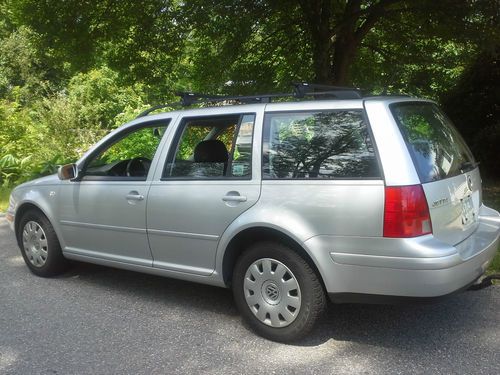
(392, 326)
(159, 289)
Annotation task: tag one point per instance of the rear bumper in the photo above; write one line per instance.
(417, 267)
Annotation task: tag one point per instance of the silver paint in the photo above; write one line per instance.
(182, 229)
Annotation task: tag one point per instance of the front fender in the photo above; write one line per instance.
(43, 198)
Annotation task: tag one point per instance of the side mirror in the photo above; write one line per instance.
(67, 172)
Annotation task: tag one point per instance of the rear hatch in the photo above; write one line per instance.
(446, 167)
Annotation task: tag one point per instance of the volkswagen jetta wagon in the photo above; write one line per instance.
(356, 199)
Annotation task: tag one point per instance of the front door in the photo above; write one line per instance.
(205, 184)
(104, 214)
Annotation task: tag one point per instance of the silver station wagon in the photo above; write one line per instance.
(353, 198)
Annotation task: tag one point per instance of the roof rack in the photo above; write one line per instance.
(301, 90)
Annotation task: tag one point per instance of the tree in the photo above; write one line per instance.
(138, 39)
(474, 106)
(248, 45)
(322, 40)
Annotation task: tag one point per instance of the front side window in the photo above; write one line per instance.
(318, 145)
(212, 147)
(129, 156)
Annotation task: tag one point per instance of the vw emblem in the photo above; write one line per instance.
(272, 292)
(469, 182)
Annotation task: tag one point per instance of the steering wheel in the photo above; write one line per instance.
(138, 167)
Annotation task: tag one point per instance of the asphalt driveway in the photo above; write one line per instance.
(96, 320)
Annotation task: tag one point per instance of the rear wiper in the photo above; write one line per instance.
(468, 166)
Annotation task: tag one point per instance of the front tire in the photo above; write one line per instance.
(40, 246)
(277, 292)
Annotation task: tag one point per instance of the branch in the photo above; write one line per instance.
(253, 48)
(272, 48)
(385, 54)
(375, 12)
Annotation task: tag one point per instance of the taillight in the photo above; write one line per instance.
(406, 213)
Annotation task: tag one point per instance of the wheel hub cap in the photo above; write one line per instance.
(272, 292)
(35, 243)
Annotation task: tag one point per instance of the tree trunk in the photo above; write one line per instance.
(343, 57)
(335, 40)
(344, 49)
(322, 65)
(318, 16)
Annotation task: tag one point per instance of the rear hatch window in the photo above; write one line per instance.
(437, 149)
(449, 175)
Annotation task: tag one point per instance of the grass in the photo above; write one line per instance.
(4, 198)
(491, 197)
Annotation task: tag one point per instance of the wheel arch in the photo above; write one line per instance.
(249, 236)
(21, 211)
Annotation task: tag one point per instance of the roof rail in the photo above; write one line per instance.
(301, 90)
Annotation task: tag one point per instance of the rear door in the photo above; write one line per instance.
(206, 182)
(449, 175)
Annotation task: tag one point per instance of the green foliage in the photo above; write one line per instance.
(6, 18)
(4, 198)
(72, 70)
(13, 170)
(190, 138)
(140, 39)
(61, 126)
(142, 143)
(16, 131)
(22, 75)
(473, 105)
(424, 48)
(195, 134)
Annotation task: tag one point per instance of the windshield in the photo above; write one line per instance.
(437, 149)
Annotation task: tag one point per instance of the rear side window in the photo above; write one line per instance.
(318, 145)
(437, 149)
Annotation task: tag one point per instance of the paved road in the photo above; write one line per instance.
(96, 320)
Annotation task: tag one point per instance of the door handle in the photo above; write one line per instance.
(234, 197)
(134, 196)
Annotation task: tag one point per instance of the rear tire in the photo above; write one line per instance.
(40, 246)
(277, 292)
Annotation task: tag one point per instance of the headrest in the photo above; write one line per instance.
(211, 151)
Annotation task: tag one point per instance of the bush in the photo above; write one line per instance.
(36, 137)
(13, 170)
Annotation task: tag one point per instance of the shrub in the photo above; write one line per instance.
(36, 137)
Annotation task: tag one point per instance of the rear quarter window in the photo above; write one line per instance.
(437, 149)
(318, 145)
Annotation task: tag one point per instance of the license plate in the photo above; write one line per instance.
(468, 215)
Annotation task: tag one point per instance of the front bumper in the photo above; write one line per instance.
(415, 267)
(10, 214)
(10, 219)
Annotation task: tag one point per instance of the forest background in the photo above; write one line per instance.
(72, 70)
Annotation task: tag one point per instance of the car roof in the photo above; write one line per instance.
(304, 105)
